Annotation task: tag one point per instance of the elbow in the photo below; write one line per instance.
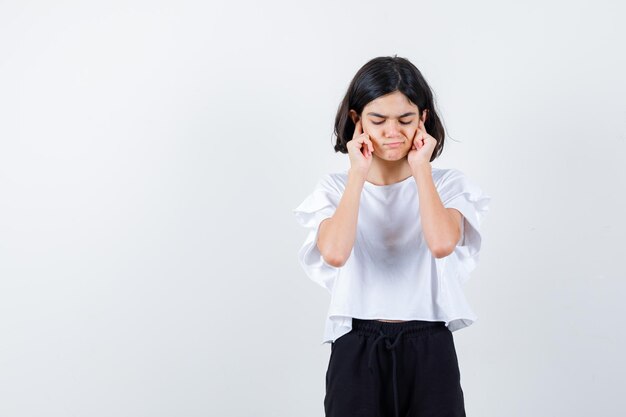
(442, 251)
(335, 261)
(331, 258)
(445, 247)
(329, 254)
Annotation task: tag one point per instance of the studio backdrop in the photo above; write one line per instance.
(151, 154)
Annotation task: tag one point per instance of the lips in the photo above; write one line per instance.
(393, 143)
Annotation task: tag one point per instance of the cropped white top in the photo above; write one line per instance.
(391, 273)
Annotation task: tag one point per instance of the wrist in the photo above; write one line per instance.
(421, 166)
(356, 176)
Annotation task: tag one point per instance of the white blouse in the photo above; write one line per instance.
(391, 273)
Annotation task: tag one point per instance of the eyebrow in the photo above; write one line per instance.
(399, 117)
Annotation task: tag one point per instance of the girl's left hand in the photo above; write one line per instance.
(423, 147)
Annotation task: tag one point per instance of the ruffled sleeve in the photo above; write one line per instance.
(459, 192)
(317, 206)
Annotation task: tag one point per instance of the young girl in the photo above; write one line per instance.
(392, 239)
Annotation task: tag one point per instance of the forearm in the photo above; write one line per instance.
(337, 234)
(438, 225)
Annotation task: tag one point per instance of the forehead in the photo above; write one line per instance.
(395, 101)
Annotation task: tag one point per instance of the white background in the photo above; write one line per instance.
(151, 153)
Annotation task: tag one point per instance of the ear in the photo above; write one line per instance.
(353, 116)
(424, 115)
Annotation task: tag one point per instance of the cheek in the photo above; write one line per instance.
(373, 130)
(375, 135)
(377, 144)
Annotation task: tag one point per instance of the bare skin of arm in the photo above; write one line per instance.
(337, 234)
(441, 225)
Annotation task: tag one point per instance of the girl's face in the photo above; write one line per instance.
(391, 122)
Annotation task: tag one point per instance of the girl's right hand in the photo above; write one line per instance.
(360, 150)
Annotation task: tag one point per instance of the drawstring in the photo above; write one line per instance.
(390, 346)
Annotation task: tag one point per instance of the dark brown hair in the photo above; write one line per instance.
(380, 76)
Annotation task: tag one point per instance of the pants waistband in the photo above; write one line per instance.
(410, 327)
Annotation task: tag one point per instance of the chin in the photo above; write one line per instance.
(397, 156)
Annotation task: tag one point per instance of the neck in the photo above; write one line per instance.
(388, 172)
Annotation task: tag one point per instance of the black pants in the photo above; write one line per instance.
(404, 369)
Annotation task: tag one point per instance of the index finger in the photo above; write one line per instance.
(358, 130)
(422, 125)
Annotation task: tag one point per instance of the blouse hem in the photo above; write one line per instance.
(458, 323)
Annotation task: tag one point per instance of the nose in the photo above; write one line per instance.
(392, 129)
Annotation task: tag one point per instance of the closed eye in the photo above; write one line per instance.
(401, 122)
